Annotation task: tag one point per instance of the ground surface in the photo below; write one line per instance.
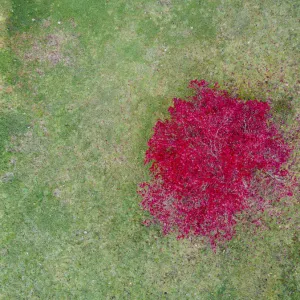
(83, 82)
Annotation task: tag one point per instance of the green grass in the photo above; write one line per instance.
(82, 86)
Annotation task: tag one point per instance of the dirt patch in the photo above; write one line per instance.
(52, 49)
(73, 23)
(46, 23)
(165, 2)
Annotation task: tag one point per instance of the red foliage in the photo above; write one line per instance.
(213, 156)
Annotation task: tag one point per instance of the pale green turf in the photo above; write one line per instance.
(73, 136)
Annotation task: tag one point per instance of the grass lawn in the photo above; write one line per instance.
(82, 84)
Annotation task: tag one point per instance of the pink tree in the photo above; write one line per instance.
(215, 157)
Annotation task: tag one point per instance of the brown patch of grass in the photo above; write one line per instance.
(165, 2)
(46, 23)
(47, 48)
(50, 49)
(9, 90)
